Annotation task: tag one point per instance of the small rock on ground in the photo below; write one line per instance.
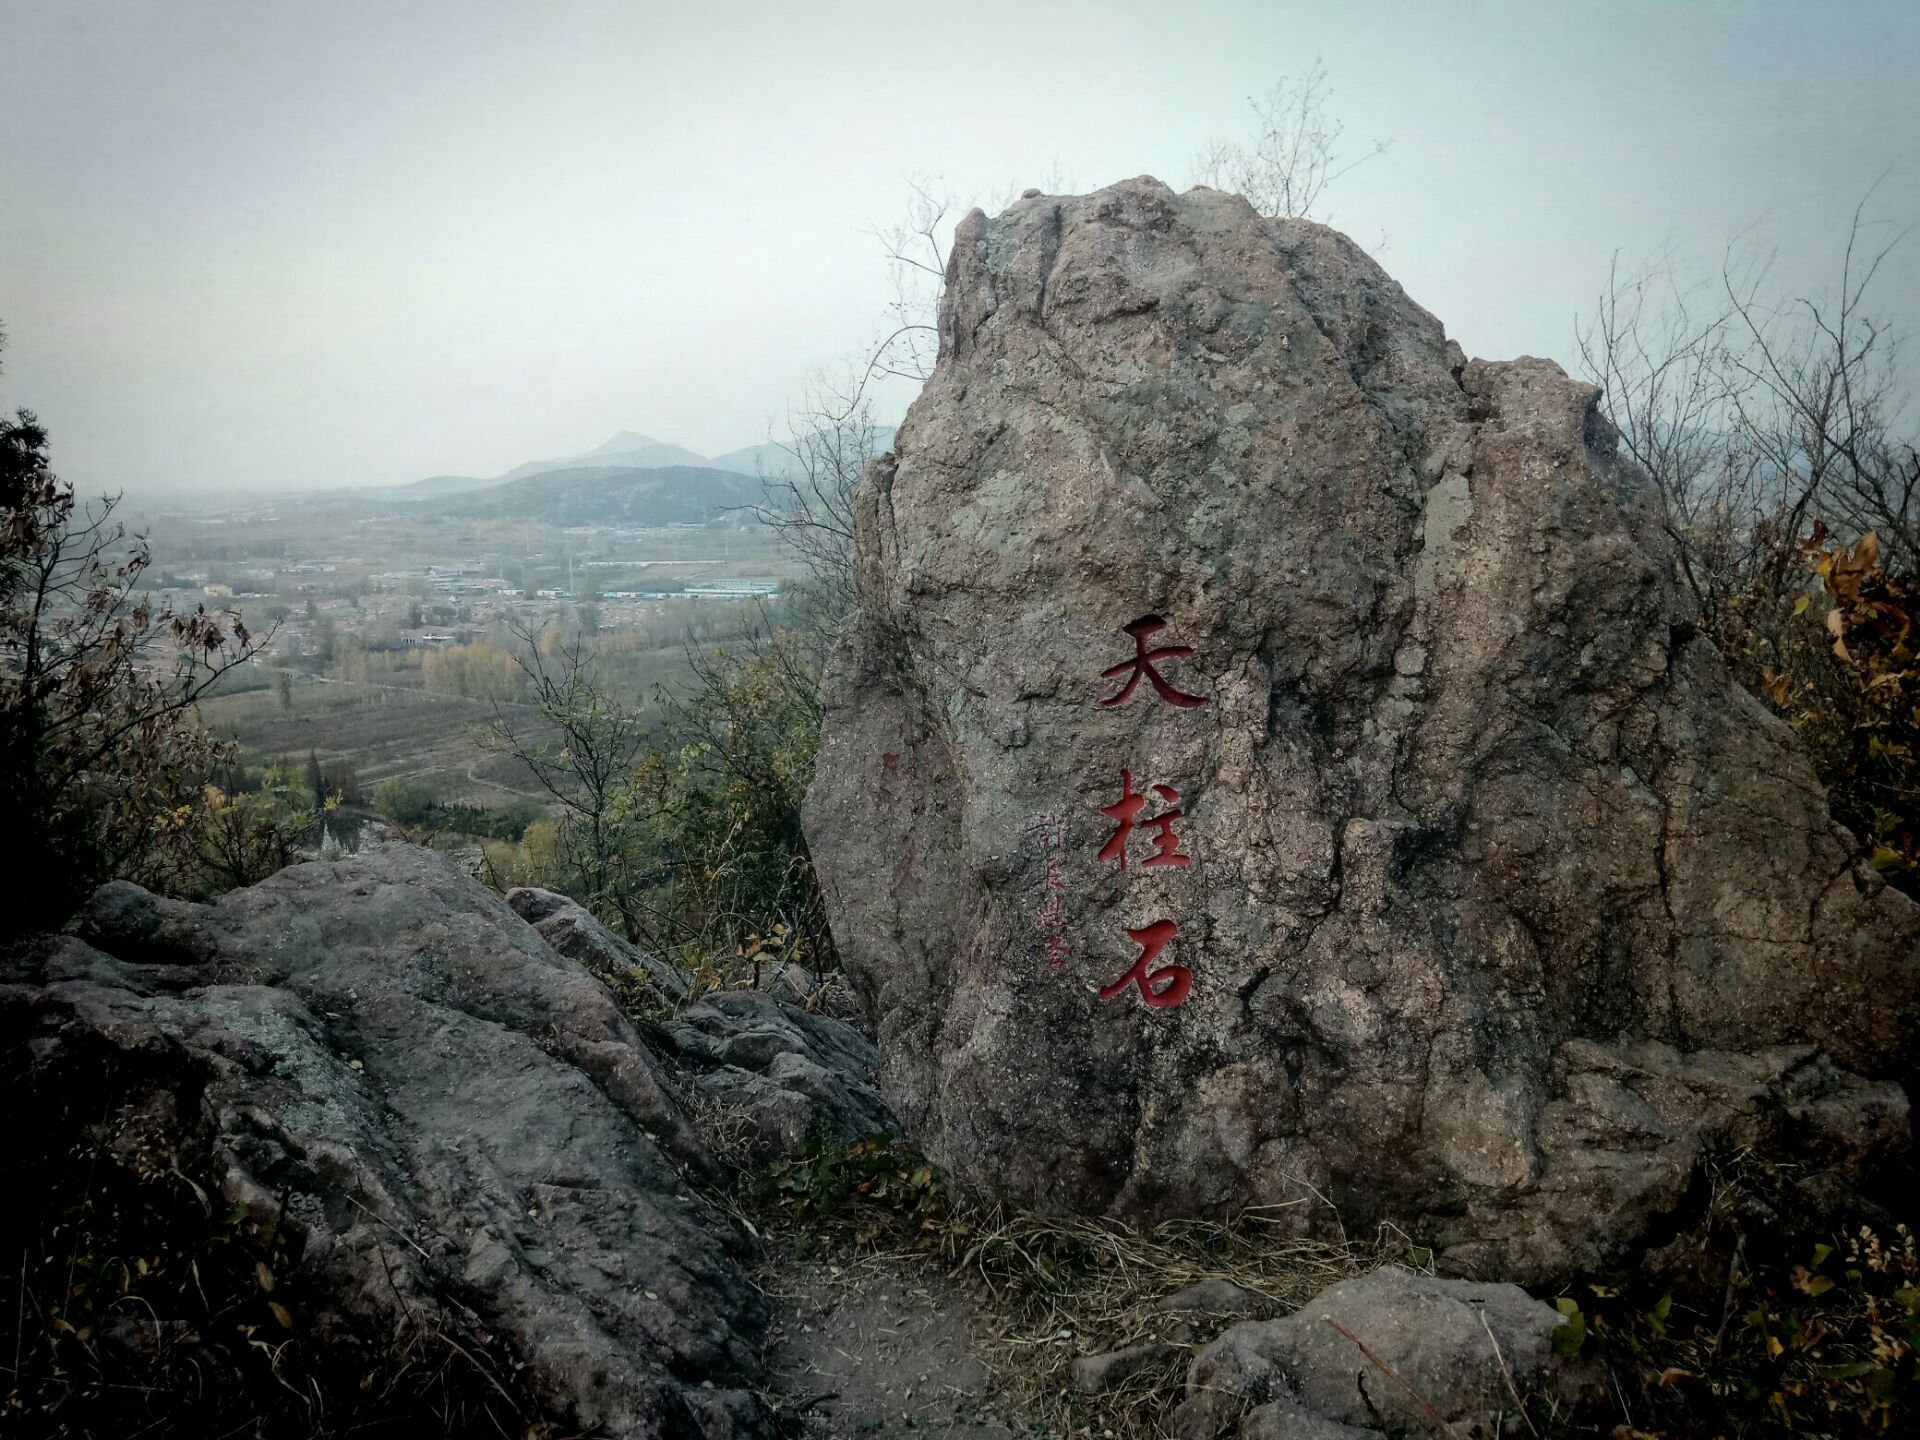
(1208, 1297)
(1097, 1374)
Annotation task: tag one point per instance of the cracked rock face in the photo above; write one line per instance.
(457, 1123)
(569, 927)
(1480, 871)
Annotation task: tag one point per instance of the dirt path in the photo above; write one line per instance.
(872, 1349)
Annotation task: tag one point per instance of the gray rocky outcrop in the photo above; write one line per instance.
(791, 1077)
(778, 1076)
(1216, 1296)
(457, 1126)
(1463, 887)
(569, 927)
(1388, 1353)
(1104, 1373)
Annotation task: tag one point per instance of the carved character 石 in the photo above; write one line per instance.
(1163, 988)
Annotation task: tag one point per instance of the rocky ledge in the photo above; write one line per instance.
(456, 1128)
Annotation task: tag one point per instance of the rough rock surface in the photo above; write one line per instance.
(457, 1123)
(569, 927)
(1208, 1297)
(1494, 870)
(795, 1077)
(1474, 1353)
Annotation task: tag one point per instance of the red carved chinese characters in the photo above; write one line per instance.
(1168, 985)
(1163, 988)
(1143, 663)
(1125, 811)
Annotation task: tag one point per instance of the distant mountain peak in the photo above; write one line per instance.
(625, 440)
(630, 450)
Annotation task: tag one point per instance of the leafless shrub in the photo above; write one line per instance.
(1294, 154)
(808, 496)
(581, 742)
(1758, 413)
(1775, 427)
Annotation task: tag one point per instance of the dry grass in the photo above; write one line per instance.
(1078, 1287)
(1046, 1290)
(1051, 1290)
(727, 1130)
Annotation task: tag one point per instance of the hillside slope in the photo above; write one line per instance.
(627, 450)
(614, 495)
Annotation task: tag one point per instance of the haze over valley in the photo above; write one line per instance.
(375, 602)
(1091, 721)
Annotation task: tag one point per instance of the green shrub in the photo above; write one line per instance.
(720, 798)
(407, 803)
(102, 757)
(1822, 1345)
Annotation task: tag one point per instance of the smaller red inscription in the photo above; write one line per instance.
(1163, 988)
(1053, 904)
(1050, 833)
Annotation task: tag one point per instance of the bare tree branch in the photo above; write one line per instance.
(1293, 157)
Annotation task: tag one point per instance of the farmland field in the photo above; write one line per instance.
(385, 731)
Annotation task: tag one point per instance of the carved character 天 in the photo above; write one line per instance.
(1145, 662)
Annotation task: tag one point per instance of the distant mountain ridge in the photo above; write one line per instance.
(626, 450)
(629, 478)
(435, 485)
(774, 459)
(613, 495)
(629, 450)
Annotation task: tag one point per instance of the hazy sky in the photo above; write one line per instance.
(274, 245)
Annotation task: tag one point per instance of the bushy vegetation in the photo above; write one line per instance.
(682, 832)
(1771, 1328)
(405, 802)
(1775, 429)
(496, 822)
(229, 838)
(104, 768)
(1838, 662)
(723, 794)
(479, 670)
(415, 805)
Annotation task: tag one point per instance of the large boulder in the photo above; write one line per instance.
(1388, 1353)
(458, 1127)
(1272, 762)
